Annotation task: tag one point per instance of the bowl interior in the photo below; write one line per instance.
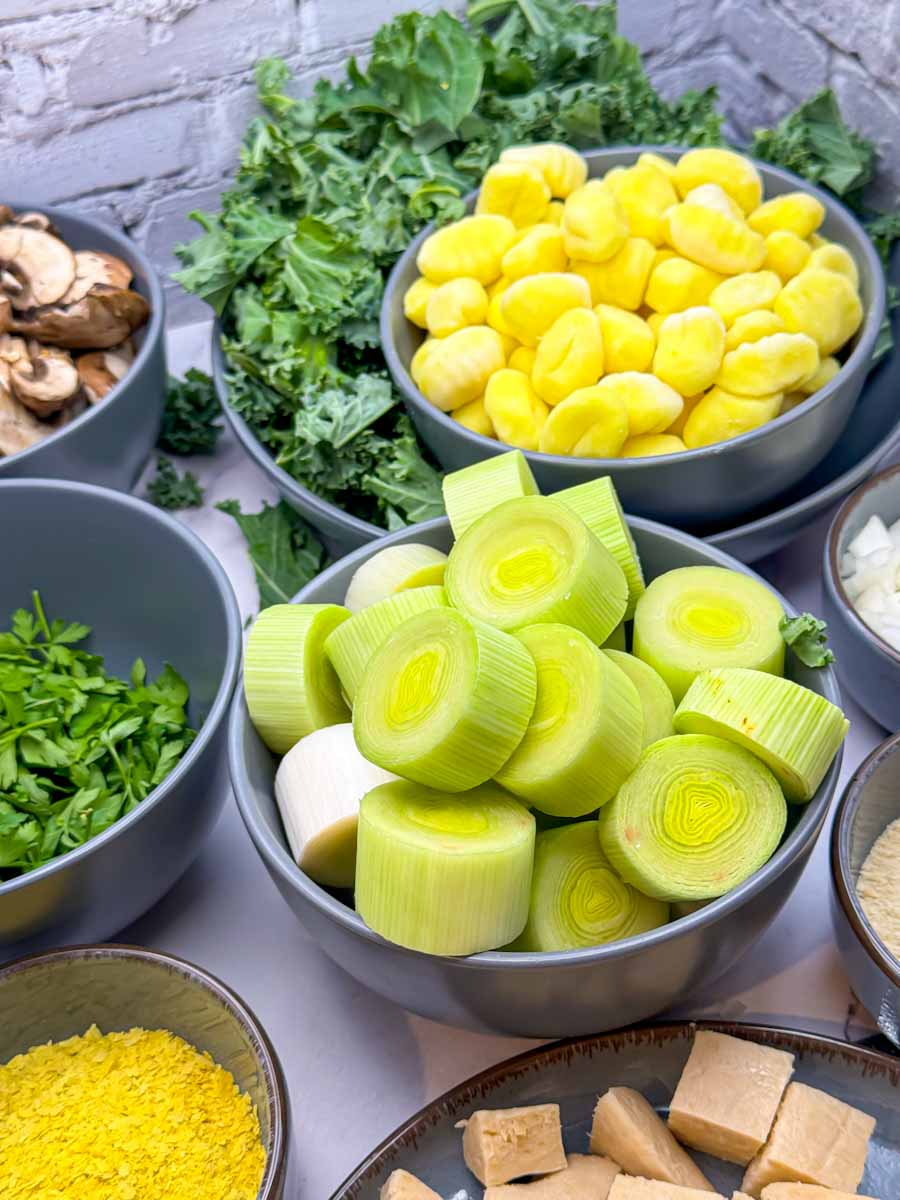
(81, 233)
(61, 994)
(146, 588)
(661, 550)
(872, 803)
(401, 338)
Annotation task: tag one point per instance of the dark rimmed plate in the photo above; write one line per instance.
(648, 1058)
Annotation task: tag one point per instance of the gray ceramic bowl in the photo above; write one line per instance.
(109, 443)
(531, 995)
(871, 800)
(697, 487)
(149, 588)
(866, 663)
(59, 994)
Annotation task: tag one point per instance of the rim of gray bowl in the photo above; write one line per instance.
(154, 329)
(140, 509)
(832, 568)
(860, 353)
(276, 1087)
(808, 826)
(266, 462)
(841, 875)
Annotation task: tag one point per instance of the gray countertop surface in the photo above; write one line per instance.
(357, 1066)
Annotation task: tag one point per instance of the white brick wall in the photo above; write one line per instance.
(133, 109)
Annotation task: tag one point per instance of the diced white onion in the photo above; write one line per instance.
(870, 573)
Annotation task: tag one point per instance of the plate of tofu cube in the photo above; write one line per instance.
(673, 1111)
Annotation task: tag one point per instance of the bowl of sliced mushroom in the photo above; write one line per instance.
(82, 357)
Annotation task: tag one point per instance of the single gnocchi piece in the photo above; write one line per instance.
(628, 341)
(824, 305)
(795, 212)
(594, 225)
(824, 373)
(648, 158)
(734, 173)
(494, 316)
(715, 240)
(776, 363)
(590, 423)
(563, 168)
(834, 257)
(530, 306)
(474, 416)
(651, 405)
(676, 284)
(744, 293)
(472, 247)
(522, 359)
(454, 305)
(538, 250)
(752, 326)
(652, 445)
(689, 351)
(644, 193)
(786, 254)
(721, 415)
(622, 279)
(690, 403)
(420, 359)
(415, 301)
(569, 356)
(516, 411)
(712, 195)
(456, 369)
(514, 190)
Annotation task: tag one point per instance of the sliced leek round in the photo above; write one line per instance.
(577, 899)
(394, 569)
(444, 874)
(695, 618)
(597, 503)
(474, 490)
(697, 817)
(445, 701)
(531, 561)
(584, 737)
(352, 644)
(318, 786)
(290, 686)
(657, 704)
(795, 731)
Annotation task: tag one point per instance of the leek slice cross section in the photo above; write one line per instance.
(474, 490)
(290, 686)
(531, 561)
(445, 701)
(577, 899)
(657, 704)
(351, 646)
(694, 619)
(585, 733)
(444, 874)
(698, 816)
(597, 503)
(394, 569)
(795, 731)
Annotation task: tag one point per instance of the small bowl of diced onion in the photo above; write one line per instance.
(862, 595)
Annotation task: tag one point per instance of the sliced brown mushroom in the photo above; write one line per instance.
(6, 214)
(19, 428)
(93, 267)
(44, 381)
(5, 313)
(104, 318)
(36, 220)
(101, 370)
(43, 265)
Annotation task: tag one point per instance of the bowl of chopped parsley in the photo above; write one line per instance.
(119, 648)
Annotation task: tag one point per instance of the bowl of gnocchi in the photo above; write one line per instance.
(694, 323)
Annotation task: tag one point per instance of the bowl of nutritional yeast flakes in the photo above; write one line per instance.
(695, 488)
(562, 993)
(148, 589)
(60, 994)
(865, 870)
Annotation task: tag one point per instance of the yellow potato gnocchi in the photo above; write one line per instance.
(514, 190)
(795, 212)
(833, 257)
(530, 306)
(651, 405)
(454, 305)
(628, 341)
(715, 240)
(456, 369)
(540, 249)
(676, 284)
(735, 174)
(689, 349)
(776, 363)
(415, 301)
(471, 247)
(563, 168)
(824, 305)
(744, 293)
(474, 416)
(644, 193)
(622, 279)
(515, 409)
(651, 445)
(569, 356)
(752, 326)
(721, 415)
(591, 423)
(786, 254)
(594, 225)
